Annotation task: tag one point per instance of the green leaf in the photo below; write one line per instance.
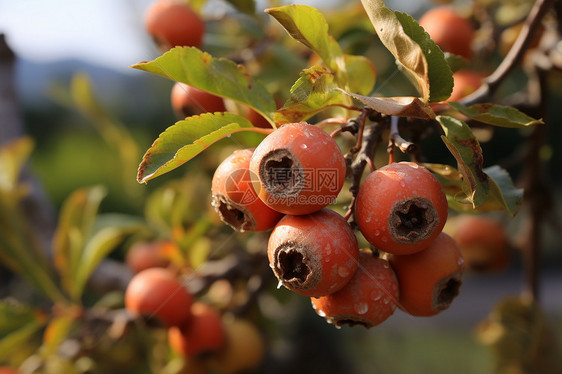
(57, 330)
(502, 194)
(394, 37)
(307, 25)
(455, 62)
(13, 156)
(18, 323)
(396, 106)
(114, 133)
(18, 340)
(440, 74)
(76, 221)
(14, 315)
(245, 6)
(218, 76)
(20, 249)
(185, 140)
(361, 74)
(110, 231)
(497, 115)
(467, 151)
(311, 93)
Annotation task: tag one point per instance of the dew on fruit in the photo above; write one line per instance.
(303, 146)
(279, 285)
(343, 271)
(377, 232)
(361, 308)
(375, 295)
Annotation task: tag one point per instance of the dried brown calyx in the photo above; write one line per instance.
(412, 220)
(294, 267)
(281, 173)
(350, 321)
(233, 214)
(446, 290)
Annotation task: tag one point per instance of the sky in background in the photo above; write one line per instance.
(105, 32)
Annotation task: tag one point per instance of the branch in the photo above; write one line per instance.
(371, 137)
(395, 140)
(514, 55)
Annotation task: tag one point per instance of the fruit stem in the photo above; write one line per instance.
(395, 140)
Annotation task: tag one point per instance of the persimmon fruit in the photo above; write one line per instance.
(188, 101)
(174, 23)
(449, 30)
(298, 169)
(367, 300)
(430, 279)
(401, 208)
(157, 292)
(314, 254)
(234, 198)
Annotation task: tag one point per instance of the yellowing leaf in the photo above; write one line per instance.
(307, 25)
(314, 91)
(467, 151)
(406, 51)
(497, 115)
(502, 194)
(396, 106)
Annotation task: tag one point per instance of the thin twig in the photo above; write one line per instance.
(361, 120)
(395, 138)
(514, 55)
(371, 137)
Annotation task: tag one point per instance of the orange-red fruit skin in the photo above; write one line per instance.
(146, 255)
(328, 246)
(321, 162)
(483, 243)
(173, 23)
(451, 32)
(188, 101)
(157, 293)
(203, 333)
(8, 370)
(232, 184)
(419, 275)
(368, 299)
(466, 82)
(387, 186)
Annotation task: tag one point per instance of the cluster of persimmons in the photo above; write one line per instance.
(286, 184)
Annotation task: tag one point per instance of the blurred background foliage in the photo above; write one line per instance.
(90, 125)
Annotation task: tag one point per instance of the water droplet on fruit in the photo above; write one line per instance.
(279, 285)
(361, 308)
(303, 146)
(343, 272)
(377, 232)
(402, 184)
(375, 295)
(320, 312)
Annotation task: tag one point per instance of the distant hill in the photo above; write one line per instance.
(129, 92)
